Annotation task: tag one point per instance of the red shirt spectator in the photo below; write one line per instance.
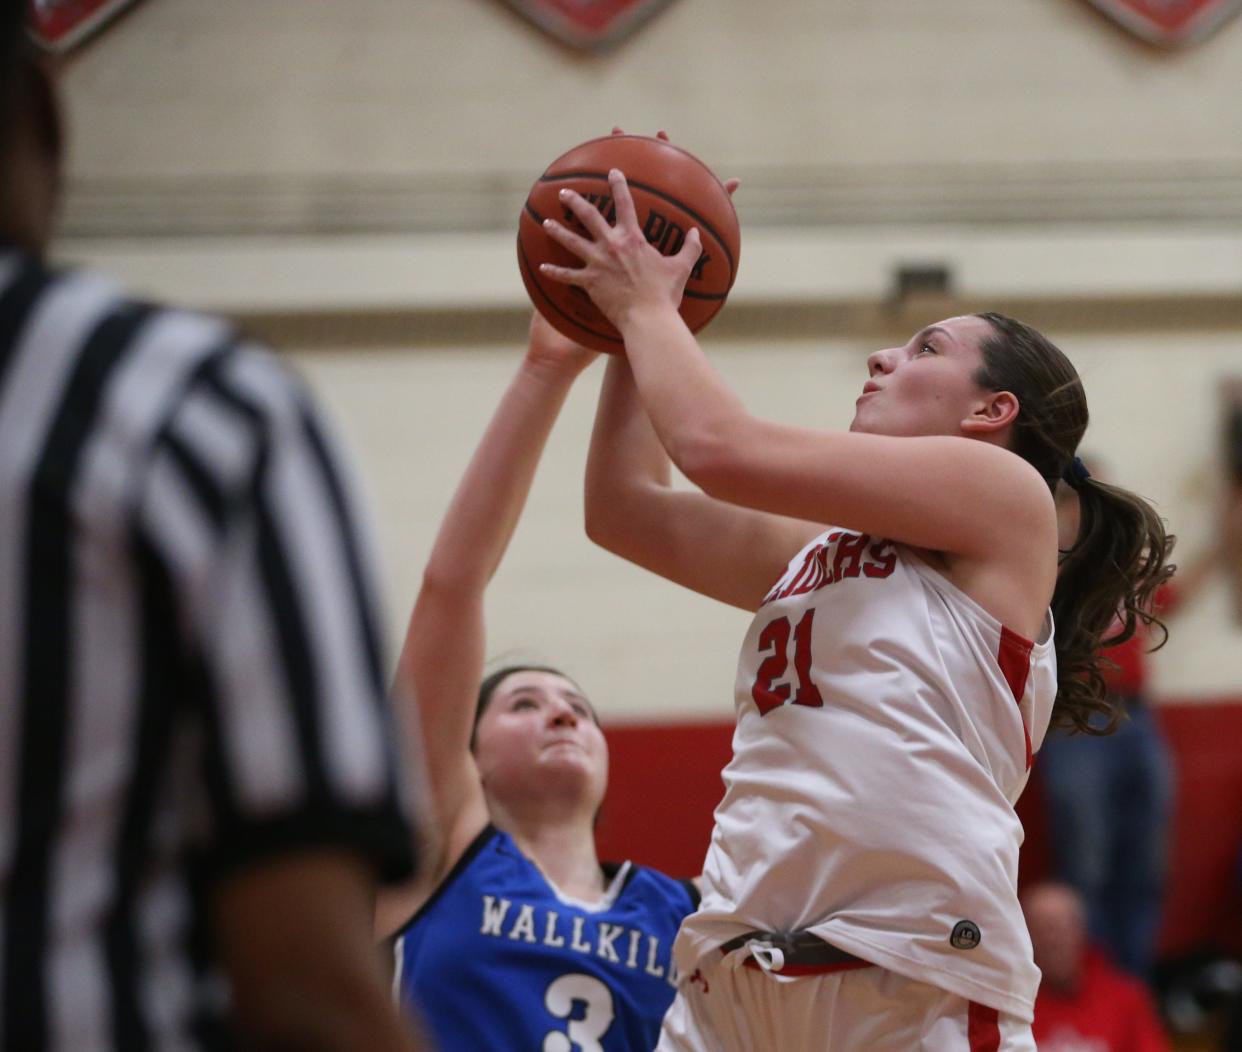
(1085, 1003)
(1108, 1011)
(1129, 678)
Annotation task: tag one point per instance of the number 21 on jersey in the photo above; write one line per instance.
(769, 694)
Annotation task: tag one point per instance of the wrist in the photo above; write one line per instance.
(554, 372)
(645, 315)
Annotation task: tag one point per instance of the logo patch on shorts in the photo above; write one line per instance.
(966, 935)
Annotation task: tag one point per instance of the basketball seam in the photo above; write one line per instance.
(530, 211)
(687, 292)
(552, 303)
(648, 188)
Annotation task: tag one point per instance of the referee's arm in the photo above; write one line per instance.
(294, 935)
(251, 513)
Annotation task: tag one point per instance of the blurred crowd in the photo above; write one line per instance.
(1110, 802)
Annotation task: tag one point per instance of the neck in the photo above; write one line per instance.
(563, 847)
(27, 201)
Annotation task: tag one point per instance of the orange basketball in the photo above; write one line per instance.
(673, 191)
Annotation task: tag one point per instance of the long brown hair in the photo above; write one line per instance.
(1109, 576)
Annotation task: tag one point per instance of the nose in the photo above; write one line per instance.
(884, 361)
(563, 714)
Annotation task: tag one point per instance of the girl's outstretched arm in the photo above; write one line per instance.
(442, 659)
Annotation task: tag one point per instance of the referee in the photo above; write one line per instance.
(197, 792)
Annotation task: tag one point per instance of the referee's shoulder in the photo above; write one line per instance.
(150, 363)
(205, 355)
(185, 335)
(159, 336)
(192, 379)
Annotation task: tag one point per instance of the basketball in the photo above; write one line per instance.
(673, 192)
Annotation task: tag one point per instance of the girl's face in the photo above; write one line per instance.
(538, 736)
(926, 387)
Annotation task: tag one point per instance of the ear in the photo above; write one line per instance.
(994, 412)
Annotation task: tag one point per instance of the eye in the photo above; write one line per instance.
(523, 703)
(581, 710)
(927, 348)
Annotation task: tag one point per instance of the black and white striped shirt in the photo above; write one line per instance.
(190, 670)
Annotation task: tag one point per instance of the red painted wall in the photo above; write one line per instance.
(665, 782)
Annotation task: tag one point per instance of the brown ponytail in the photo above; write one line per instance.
(1108, 577)
(1104, 591)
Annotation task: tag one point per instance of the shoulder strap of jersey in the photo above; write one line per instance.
(488, 833)
(611, 869)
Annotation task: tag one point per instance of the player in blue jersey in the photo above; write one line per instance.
(517, 937)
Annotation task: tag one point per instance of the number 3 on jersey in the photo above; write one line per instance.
(774, 641)
(564, 998)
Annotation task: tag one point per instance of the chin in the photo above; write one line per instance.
(577, 787)
(570, 764)
(859, 426)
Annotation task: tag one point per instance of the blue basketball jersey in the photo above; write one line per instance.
(497, 959)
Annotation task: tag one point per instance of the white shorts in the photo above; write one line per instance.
(724, 1008)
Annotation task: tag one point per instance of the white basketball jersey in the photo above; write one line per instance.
(885, 728)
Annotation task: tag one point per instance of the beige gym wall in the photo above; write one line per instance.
(345, 175)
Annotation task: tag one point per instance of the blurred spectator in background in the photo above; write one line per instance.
(1085, 1004)
(1110, 798)
(1232, 1037)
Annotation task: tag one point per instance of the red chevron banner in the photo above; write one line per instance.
(589, 25)
(1170, 23)
(58, 25)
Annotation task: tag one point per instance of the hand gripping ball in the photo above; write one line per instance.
(673, 191)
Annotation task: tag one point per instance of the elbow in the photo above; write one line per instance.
(610, 495)
(709, 458)
(442, 580)
(602, 519)
(457, 571)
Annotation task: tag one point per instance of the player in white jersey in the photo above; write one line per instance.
(860, 889)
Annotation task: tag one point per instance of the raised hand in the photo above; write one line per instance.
(730, 185)
(548, 348)
(622, 273)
